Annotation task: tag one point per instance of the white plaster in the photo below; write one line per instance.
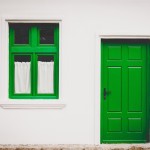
(81, 21)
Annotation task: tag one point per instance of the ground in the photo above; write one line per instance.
(78, 147)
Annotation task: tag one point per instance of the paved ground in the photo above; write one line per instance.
(78, 147)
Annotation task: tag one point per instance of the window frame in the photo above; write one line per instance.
(34, 49)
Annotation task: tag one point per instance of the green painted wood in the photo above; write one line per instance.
(134, 87)
(124, 75)
(115, 96)
(34, 49)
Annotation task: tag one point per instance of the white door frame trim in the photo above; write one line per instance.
(7, 103)
(97, 77)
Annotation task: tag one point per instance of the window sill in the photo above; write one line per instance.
(32, 106)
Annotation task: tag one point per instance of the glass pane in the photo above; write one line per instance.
(47, 36)
(22, 58)
(22, 35)
(45, 74)
(22, 73)
(45, 58)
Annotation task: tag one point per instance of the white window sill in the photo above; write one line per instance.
(32, 106)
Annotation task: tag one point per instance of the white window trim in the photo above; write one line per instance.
(7, 103)
(97, 77)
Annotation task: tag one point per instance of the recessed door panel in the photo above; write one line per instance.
(114, 52)
(114, 125)
(135, 125)
(135, 89)
(114, 80)
(135, 52)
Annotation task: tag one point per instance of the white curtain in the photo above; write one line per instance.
(45, 77)
(22, 77)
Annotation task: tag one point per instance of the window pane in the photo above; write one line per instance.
(47, 36)
(45, 74)
(45, 58)
(22, 58)
(22, 35)
(22, 74)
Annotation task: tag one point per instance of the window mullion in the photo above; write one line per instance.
(34, 38)
(34, 42)
(34, 74)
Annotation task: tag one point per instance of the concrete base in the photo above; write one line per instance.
(78, 147)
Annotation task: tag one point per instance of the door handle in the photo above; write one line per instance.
(105, 93)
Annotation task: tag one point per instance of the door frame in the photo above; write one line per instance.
(97, 80)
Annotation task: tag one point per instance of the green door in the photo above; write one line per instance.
(124, 92)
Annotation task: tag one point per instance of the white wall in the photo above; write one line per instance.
(82, 20)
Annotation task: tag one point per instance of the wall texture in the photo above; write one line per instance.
(82, 20)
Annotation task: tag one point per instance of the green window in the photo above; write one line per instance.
(33, 61)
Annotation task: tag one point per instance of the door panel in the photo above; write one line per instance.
(114, 125)
(114, 52)
(123, 117)
(115, 97)
(134, 52)
(134, 89)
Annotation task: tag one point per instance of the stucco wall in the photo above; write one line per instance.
(82, 21)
